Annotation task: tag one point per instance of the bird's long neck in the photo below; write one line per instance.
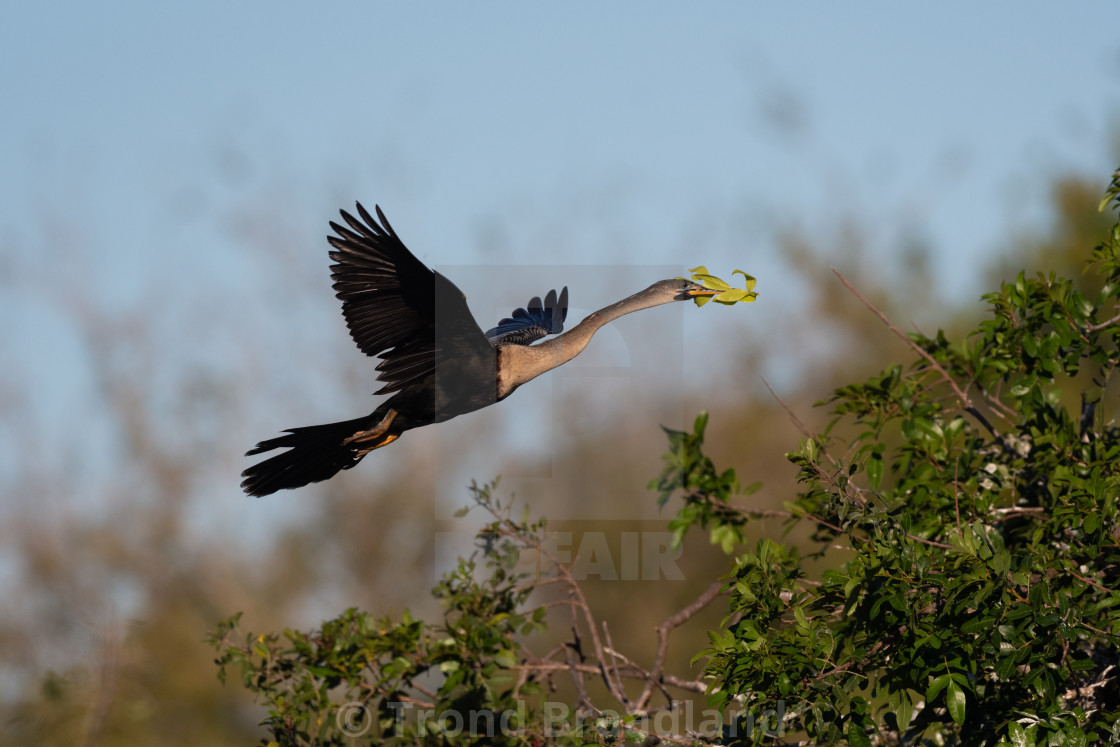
(521, 363)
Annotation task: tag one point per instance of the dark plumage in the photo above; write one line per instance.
(534, 322)
(435, 360)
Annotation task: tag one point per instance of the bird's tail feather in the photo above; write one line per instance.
(315, 453)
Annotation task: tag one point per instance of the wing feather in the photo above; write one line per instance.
(538, 319)
(390, 299)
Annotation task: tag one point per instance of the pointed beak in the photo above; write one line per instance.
(694, 292)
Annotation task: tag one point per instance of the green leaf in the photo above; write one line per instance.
(921, 429)
(904, 712)
(937, 686)
(505, 658)
(727, 536)
(749, 280)
(1019, 735)
(856, 735)
(875, 471)
(732, 296)
(710, 281)
(955, 699)
(799, 615)
(729, 295)
(1081, 664)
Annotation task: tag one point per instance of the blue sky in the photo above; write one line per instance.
(525, 134)
(139, 116)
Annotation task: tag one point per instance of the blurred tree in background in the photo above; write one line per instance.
(114, 579)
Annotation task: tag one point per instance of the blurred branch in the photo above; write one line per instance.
(106, 690)
(962, 396)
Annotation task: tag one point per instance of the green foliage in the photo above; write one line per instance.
(401, 681)
(471, 679)
(705, 491)
(730, 295)
(972, 500)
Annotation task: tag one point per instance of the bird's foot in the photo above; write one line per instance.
(374, 434)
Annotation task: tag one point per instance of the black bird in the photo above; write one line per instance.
(435, 360)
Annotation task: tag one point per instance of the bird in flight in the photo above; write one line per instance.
(436, 361)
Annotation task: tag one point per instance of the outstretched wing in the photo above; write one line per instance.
(390, 300)
(533, 322)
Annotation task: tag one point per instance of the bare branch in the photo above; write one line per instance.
(1089, 581)
(1101, 325)
(580, 604)
(571, 652)
(663, 631)
(609, 649)
(695, 686)
(789, 410)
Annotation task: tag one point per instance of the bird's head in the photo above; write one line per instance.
(678, 289)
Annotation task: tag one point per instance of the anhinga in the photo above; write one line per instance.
(435, 360)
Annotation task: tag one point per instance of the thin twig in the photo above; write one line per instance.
(663, 631)
(789, 410)
(695, 686)
(995, 400)
(1084, 624)
(612, 666)
(1089, 581)
(623, 658)
(957, 493)
(403, 698)
(577, 674)
(962, 396)
(1101, 325)
(580, 603)
(931, 543)
(857, 498)
(629, 671)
